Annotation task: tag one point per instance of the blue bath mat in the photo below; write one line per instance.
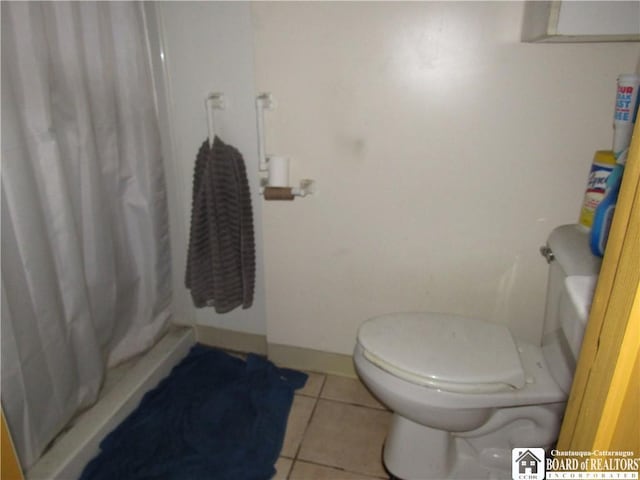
(214, 417)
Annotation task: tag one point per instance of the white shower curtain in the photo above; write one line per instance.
(85, 246)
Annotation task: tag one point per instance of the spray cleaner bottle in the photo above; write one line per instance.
(626, 111)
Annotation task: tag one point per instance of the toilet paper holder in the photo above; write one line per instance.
(275, 184)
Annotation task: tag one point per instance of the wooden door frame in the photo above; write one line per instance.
(603, 407)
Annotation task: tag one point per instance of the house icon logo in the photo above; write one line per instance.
(527, 464)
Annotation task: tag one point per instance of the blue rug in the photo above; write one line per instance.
(214, 417)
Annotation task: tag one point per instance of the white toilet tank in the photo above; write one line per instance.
(573, 272)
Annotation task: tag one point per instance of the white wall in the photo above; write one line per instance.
(444, 152)
(207, 47)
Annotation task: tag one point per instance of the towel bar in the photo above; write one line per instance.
(214, 101)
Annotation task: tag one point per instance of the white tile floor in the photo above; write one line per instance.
(335, 431)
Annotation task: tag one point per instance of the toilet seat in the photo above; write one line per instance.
(443, 351)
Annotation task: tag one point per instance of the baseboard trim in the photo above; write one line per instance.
(312, 360)
(282, 355)
(231, 340)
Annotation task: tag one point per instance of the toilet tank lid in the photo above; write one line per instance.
(570, 247)
(443, 351)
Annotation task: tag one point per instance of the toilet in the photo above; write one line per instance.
(463, 391)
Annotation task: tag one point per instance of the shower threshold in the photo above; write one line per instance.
(124, 387)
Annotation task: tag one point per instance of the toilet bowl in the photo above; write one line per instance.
(487, 396)
(464, 392)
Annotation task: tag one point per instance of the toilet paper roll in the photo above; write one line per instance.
(278, 171)
(278, 193)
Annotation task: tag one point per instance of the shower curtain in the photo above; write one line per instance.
(85, 246)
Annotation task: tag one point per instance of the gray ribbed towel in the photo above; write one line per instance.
(221, 257)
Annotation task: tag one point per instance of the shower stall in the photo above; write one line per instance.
(87, 322)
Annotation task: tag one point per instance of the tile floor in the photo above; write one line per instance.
(335, 432)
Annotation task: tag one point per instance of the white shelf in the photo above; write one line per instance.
(581, 21)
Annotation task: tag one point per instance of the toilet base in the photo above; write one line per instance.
(465, 468)
(413, 451)
(416, 452)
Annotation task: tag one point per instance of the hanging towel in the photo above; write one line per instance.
(221, 256)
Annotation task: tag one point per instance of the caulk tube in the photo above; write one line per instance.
(625, 114)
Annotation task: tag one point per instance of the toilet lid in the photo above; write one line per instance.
(443, 351)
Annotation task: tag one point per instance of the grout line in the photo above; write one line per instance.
(317, 395)
(296, 458)
(293, 464)
(306, 395)
(340, 469)
(354, 404)
(324, 383)
(306, 428)
(381, 407)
